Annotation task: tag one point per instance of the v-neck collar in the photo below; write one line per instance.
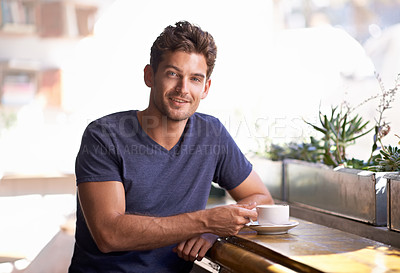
(174, 150)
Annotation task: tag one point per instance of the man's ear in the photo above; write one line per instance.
(148, 75)
(206, 89)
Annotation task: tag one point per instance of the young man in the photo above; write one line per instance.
(144, 176)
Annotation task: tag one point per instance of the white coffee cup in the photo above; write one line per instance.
(277, 214)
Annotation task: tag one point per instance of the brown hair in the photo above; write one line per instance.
(187, 37)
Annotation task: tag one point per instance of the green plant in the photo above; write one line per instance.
(382, 127)
(307, 151)
(302, 151)
(388, 159)
(339, 131)
(276, 152)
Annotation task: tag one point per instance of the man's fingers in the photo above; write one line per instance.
(203, 252)
(248, 206)
(179, 249)
(249, 214)
(187, 250)
(195, 248)
(195, 251)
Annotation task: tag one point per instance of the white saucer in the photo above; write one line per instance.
(275, 229)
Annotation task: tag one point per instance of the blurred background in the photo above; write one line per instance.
(65, 63)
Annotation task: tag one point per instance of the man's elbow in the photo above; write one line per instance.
(268, 198)
(110, 242)
(106, 243)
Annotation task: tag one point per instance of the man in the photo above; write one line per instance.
(144, 176)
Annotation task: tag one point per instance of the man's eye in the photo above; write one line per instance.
(196, 79)
(172, 74)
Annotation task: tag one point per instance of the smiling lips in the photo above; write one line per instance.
(176, 100)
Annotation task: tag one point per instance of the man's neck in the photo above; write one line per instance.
(161, 129)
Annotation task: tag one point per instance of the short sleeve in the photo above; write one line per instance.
(97, 158)
(232, 166)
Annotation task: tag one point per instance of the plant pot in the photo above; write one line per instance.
(393, 194)
(354, 194)
(271, 173)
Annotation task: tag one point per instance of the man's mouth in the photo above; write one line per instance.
(178, 100)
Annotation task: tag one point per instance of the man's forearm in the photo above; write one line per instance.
(134, 232)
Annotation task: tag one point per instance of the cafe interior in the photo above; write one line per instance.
(281, 65)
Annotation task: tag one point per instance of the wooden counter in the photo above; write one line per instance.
(308, 247)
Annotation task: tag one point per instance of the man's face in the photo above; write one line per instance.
(178, 85)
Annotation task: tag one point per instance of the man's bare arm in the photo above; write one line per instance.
(103, 205)
(251, 190)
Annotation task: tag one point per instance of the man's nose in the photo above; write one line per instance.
(182, 86)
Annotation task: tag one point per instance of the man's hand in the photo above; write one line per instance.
(225, 221)
(195, 248)
(251, 206)
(229, 220)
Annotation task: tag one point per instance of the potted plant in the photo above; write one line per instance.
(331, 186)
(335, 184)
(389, 160)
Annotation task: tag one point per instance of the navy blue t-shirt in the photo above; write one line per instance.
(157, 182)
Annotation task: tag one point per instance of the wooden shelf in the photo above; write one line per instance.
(18, 84)
(55, 19)
(18, 16)
(21, 84)
(47, 19)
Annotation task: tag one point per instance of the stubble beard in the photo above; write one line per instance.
(176, 114)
